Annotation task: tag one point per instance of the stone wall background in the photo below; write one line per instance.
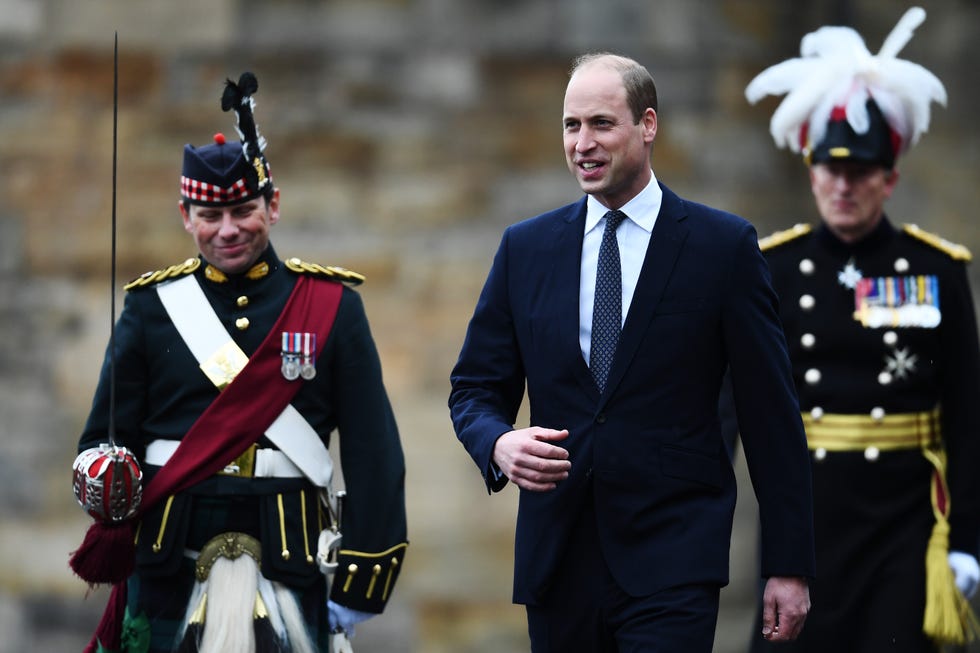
(405, 134)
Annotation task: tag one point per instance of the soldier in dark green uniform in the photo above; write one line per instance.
(239, 553)
(879, 318)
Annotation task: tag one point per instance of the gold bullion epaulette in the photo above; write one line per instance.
(156, 276)
(955, 251)
(784, 236)
(326, 271)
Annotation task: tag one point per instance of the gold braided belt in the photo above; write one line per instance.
(948, 617)
(836, 432)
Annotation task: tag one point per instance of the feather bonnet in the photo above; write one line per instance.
(836, 77)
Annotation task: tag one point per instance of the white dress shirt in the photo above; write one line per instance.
(633, 237)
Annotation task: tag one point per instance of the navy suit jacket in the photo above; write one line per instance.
(650, 447)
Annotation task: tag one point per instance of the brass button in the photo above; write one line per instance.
(242, 301)
(242, 323)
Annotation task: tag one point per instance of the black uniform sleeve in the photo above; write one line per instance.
(130, 386)
(960, 387)
(373, 522)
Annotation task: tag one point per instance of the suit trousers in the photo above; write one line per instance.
(585, 611)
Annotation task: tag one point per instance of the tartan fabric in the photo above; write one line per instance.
(163, 601)
(201, 191)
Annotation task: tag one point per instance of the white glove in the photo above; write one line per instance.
(966, 571)
(345, 619)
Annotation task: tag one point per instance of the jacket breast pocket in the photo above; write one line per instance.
(675, 305)
(681, 328)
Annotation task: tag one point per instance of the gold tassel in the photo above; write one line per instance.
(948, 618)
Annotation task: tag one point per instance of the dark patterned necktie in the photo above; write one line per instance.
(607, 313)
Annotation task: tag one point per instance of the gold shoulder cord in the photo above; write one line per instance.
(784, 236)
(327, 271)
(156, 276)
(954, 250)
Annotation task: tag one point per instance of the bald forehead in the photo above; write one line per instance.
(609, 69)
(595, 80)
(608, 59)
(596, 68)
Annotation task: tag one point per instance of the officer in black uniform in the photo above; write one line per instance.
(262, 503)
(880, 322)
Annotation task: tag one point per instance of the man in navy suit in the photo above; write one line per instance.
(627, 492)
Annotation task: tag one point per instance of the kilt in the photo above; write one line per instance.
(161, 599)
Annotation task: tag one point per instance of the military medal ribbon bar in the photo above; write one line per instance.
(910, 301)
(298, 355)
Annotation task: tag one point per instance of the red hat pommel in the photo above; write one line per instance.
(219, 138)
(107, 481)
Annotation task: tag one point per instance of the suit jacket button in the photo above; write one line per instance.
(601, 419)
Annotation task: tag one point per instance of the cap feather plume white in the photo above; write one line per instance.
(836, 69)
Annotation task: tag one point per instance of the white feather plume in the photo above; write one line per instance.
(837, 69)
(902, 32)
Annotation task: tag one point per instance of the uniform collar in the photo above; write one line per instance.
(881, 234)
(266, 264)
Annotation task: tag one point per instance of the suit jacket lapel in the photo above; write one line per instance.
(565, 280)
(666, 241)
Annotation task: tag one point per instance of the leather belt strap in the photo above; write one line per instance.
(837, 432)
(255, 462)
(221, 359)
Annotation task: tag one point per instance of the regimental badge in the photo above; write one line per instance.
(909, 301)
(298, 355)
(224, 365)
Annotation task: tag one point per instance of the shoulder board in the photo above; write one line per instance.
(156, 276)
(325, 271)
(955, 251)
(784, 236)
